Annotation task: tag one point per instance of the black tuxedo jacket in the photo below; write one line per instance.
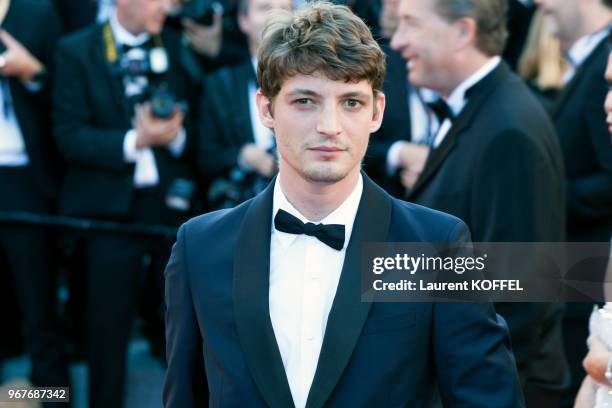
(76, 14)
(91, 117)
(500, 170)
(396, 124)
(581, 126)
(225, 119)
(32, 107)
(373, 354)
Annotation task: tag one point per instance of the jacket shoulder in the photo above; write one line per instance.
(81, 39)
(216, 224)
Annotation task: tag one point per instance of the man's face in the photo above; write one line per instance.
(254, 21)
(608, 104)
(322, 126)
(426, 41)
(143, 15)
(564, 18)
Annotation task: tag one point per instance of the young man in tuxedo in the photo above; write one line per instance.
(583, 27)
(495, 161)
(29, 177)
(126, 161)
(231, 137)
(265, 297)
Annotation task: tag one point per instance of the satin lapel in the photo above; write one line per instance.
(112, 78)
(251, 302)
(578, 76)
(348, 312)
(478, 94)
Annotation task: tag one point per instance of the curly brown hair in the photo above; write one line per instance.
(322, 38)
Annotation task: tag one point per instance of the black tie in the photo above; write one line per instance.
(441, 109)
(330, 234)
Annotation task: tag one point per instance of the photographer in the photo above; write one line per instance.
(211, 36)
(236, 152)
(121, 120)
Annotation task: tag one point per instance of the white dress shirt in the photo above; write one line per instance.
(581, 50)
(145, 169)
(304, 276)
(264, 138)
(12, 146)
(456, 100)
(423, 124)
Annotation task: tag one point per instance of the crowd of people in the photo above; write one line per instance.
(120, 117)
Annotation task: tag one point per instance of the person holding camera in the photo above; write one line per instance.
(121, 121)
(236, 152)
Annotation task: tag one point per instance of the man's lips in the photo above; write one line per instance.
(326, 149)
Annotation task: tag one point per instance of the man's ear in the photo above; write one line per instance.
(264, 108)
(243, 24)
(466, 32)
(379, 111)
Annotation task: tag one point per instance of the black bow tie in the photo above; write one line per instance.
(441, 109)
(330, 234)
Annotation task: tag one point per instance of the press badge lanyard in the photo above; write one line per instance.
(158, 58)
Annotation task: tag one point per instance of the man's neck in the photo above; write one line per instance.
(313, 200)
(128, 25)
(466, 67)
(596, 20)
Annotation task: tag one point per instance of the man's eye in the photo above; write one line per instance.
(353, 103)
(303, 101)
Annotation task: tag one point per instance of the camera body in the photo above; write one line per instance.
(201, 11)
(151, 64)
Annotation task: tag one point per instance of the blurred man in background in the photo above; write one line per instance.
(236, 152)
(582, 27)
(495, 161)
(121, 122)
(29, 176)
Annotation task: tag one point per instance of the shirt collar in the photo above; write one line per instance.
(344, 214)
(582, 48)
(456, 100)
(123, 36)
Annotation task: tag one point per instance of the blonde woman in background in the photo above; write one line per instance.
(542, 64)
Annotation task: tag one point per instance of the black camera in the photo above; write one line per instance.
(163, 102)
(201, 11)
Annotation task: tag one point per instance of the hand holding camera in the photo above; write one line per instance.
(16, 60)
(205, 40)
(154, 131)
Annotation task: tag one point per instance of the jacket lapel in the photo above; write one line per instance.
(251, 302)
(111, 76)
(478, 94)
(348, 313)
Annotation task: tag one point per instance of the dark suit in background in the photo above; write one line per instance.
(225, 119)
(587, 149)
(226, 126)
(373, 354)
(500, 170)
(32, 188)
(396, 124)
(76, 14)
(91, 118)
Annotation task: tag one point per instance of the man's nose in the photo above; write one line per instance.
(328, 121)
(608, 104)
(398, 41)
